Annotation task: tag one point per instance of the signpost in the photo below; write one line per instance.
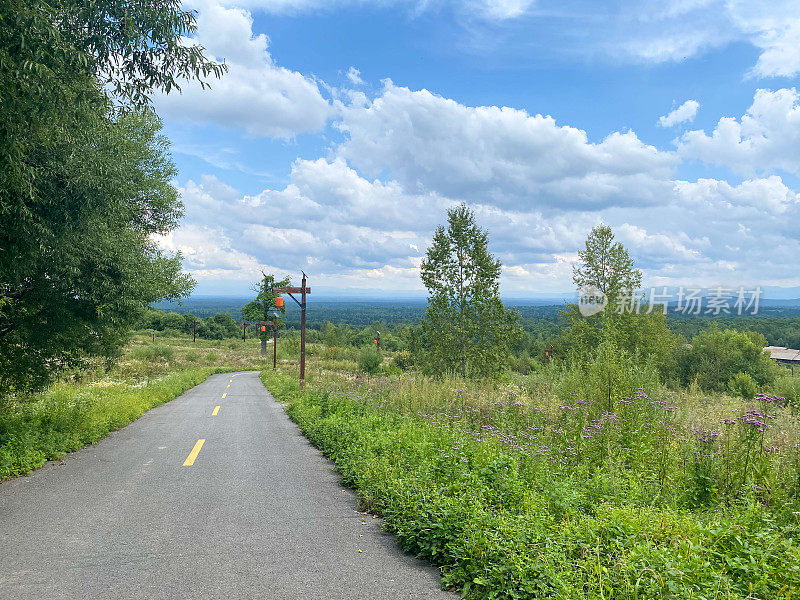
(303, 291)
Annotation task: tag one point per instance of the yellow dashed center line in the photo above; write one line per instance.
(225, 394)
(229, 385)
(216, 410)
(193, 454)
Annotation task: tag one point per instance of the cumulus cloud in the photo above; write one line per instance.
(351, 231)
(774, 27)
(208, 253)
(766, 138)
(500, 155)
(685, 112)
(256, 94)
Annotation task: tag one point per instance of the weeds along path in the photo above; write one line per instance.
(213, 495)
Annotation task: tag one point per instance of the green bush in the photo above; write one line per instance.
(391, 369)
(788, 386)
(212, 357)
(716, 356)
(403, 360)
(742, 384)
(369, 360)
(152, 352)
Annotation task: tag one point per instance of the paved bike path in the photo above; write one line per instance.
(259, 514)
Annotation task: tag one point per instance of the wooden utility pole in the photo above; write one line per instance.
(303, 291)
(194, 330)
(244, 332)
(303, 333)
(275, 346)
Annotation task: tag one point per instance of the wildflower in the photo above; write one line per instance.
(705, 435)
(755, 419)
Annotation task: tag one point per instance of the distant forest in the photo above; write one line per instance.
(780, 325)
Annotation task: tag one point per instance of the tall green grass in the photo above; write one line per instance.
(70, 416)
(539, 493)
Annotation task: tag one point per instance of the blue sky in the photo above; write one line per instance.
(345, 128)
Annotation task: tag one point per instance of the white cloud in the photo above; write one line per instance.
(351, 232)
(483, 9)
(685, 112)
(502, 9)
(256, 94)
(354, 75)
(774, 27)
(208, 253)
(498, 155)
(766, 138)
(659, 31)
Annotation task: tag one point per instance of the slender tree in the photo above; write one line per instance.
(606, 265)
(467, 329)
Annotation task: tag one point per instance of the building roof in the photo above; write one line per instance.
(783, 354)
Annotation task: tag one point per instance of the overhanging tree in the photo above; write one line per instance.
(84, 176)
(467, 329)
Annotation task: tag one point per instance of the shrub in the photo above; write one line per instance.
(391, 369)
(212, 357)
(369, 360)
(743, 385)
(403, 360)
(152, 352)
(788, 386)
(718, 355)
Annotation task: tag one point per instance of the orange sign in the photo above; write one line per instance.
(279, 302)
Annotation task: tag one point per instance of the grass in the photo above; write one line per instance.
(520, 489)
(90, 404)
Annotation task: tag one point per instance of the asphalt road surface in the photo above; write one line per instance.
(253, 511)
